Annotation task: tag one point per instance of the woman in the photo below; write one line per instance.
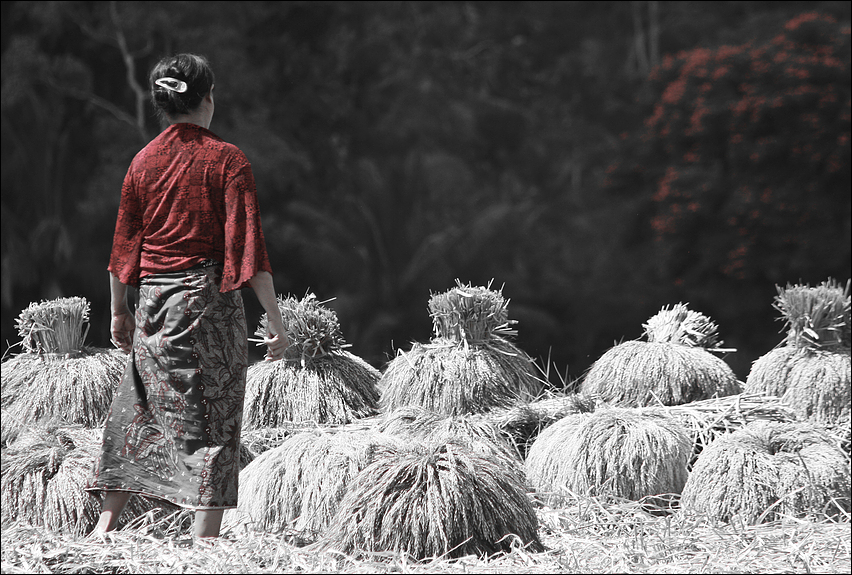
(188, 234)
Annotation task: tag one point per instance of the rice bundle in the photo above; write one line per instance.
(479, 435)
(44, 473)
(811, 371)
(674, 366)
(434, 500)
(58, 376)
(707, 419)
(767, 470)
(317, 381)
(627, 453)
(469, 366)
(522, 423)
(299, 484)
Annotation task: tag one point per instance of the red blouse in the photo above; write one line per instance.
(188, 196)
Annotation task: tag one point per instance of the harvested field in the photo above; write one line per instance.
(584, 534)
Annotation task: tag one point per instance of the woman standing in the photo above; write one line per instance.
(188, 234)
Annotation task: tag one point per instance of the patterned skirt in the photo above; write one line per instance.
(174, 426)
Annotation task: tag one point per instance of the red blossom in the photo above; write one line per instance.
(664, 188)
(808, 17)
(674, 91)
(800, 73)
(720, 72)
(653, 119)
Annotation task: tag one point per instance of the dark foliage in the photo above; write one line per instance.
(398, 146)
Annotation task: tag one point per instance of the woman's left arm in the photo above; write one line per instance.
(122, 323)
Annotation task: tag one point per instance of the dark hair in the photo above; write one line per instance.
(190, 68)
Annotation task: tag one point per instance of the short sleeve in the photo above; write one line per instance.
(127, 241)
(245, 246)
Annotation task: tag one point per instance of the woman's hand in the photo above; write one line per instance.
(121, 327)
(276, 342)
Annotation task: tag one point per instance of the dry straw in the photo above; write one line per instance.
(674, 366)
(522, 423)
(769, 470)
(434, 500)
(58, 376)
(479, 435)
(707, 419)
(627, 453)
(57, 326)
(317, 381)
(811, 371)
(298, 485)
(44, 473)
(469, 366)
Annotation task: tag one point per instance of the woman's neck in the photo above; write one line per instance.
(191, 119)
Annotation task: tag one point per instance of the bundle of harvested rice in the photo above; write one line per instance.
(298, 485)
(434, 500)
(811, 371)
(8, 431)
(705, 420)
(767, 470)
(628, 453)
(317, 381)
(469, 366)
(673, 367)
(522, 423)
(58, 376)
(478, 434)
(44, 473)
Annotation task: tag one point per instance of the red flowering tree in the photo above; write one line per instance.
(745, 160)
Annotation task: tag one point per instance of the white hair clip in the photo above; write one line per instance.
(172, 84)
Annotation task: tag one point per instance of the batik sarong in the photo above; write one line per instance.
(174, 425)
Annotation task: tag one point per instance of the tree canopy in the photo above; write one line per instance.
(599, 160)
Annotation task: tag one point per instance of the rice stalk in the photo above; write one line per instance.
(522, 423)
(54, 326)
(707, 419)
(478, 434)
(816, 383)
(769, 470)
(44, 475)
(450, 378)
(816, 317)
(628, 453)
(638, 374)
(811, 371)
(434, 501)
(337, 387)
(819, 385)
(314, 330)
(299, 484)
(683, 326)
(770, 373)
(79, 389)
(470, 313)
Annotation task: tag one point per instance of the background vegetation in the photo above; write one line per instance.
(598, 159)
